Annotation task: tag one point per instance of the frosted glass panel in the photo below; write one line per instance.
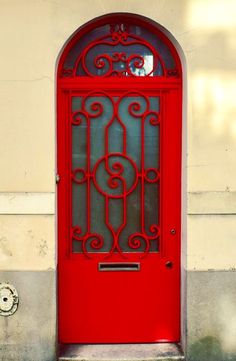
(119, 50)
(115, 173)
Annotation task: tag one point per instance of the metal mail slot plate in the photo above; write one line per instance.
(115, 266)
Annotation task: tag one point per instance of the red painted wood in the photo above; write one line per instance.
(122, 307)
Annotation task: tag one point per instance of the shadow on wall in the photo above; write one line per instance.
(213, 83)
(208, 349)
(211, 53)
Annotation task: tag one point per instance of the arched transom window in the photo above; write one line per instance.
(120, 49)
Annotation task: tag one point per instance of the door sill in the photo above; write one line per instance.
(121, 352)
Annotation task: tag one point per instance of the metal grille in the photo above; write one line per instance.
(119, 49)
(115, 173)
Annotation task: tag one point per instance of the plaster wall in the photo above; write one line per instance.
(32, 35)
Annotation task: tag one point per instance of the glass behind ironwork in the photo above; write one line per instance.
(119, 50)
(115, 172)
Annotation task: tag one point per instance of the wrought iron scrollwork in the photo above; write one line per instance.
(115, 175)
(120, 53)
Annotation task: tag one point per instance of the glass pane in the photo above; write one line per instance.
(115, 173)
(151, 144)
(119, 50)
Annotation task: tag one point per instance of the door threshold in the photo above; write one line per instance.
(121, 352)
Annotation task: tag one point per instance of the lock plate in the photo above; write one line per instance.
(9, 299)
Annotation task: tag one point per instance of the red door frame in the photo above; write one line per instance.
(170, 89)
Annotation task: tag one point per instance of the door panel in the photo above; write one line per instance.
(119, 216)
(119, 307)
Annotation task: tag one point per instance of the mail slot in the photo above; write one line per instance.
(114, 266)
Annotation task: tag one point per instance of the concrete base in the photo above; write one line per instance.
(30, 333)
(122, 352)
(211, 316)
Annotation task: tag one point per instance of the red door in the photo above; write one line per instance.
(119, 162)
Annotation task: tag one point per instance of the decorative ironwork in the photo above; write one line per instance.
(115, 175)
(173, 73)
(116, 179)
(118, 53)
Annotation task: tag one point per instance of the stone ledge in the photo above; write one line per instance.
(27, 203)
(122, 352)
(211, 202)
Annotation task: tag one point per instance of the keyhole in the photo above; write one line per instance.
(5, 299)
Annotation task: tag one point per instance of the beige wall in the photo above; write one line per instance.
(31, 37)
(26, 242)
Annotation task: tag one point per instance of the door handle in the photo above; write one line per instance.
(169, 264)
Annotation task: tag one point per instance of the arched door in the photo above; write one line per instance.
(119, 166)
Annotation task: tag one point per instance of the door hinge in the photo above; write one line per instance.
(57, 178)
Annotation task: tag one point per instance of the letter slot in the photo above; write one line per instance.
(114, 266)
